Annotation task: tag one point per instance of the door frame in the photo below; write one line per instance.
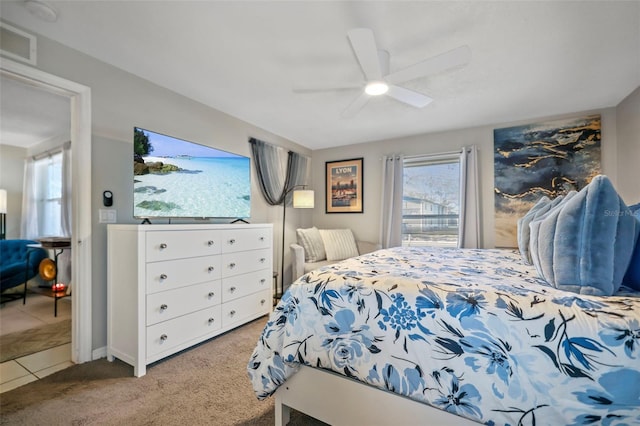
(81, 236)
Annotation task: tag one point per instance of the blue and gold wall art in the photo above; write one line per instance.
(539, 159)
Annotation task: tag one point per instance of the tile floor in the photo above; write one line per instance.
(14, 316)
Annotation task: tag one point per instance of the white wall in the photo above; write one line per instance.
(366, 225)
(11, 177)
(628, 123)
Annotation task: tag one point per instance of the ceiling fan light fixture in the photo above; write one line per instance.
(376, 88)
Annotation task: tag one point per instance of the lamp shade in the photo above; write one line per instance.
(3, 200)
(303, 199)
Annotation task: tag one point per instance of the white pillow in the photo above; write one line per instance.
(339, 244)
(311, 241)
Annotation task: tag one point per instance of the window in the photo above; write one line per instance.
(48, 195)
(431, 201)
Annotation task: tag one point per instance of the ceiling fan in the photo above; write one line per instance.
(378, 80)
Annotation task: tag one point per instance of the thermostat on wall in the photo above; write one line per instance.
(107, 198)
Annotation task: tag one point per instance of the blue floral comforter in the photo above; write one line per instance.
(472, 332)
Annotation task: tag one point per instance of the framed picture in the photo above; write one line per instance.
(344, 186)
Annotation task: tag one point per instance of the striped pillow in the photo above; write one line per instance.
(312, 243)
(339, 244)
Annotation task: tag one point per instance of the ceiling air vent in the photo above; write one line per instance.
(17, 44)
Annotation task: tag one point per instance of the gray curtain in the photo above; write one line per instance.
(469, 228)
(278, 170)
(297, 174)
(391, 201)
(271, 167)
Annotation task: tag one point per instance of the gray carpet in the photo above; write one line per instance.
(27, 342)
(204, 385)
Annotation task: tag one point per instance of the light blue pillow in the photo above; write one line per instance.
(584, 245)
(523, 227)
(632, 277)
(534, 243)
(541, 207)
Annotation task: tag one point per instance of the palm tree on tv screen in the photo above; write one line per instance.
(141, 144)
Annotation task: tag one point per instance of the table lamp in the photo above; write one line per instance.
(3, 214)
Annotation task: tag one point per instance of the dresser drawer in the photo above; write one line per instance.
(234, 240)
(242, 285)
(245, 262)
(166, 335)
(166, 245)
(166, 305)
(172, 274)
(237, 311)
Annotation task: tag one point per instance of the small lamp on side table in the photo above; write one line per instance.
(3, 214)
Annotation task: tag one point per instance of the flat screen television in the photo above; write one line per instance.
(175, 178)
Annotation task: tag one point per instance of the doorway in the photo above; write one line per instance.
(80, 135)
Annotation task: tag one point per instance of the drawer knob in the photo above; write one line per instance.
(210, 268)
(232, 241)
(163, 337)
(232, 289)
(163, 276)
(262, 260)
(211, 294)
(163, 307)
(232, 265)
(232, 313)
(210, 321)
(261, 238)
(210, 243)
(163, 246)
(262, 281)
(262, 302)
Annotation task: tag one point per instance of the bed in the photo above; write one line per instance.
(473, 335)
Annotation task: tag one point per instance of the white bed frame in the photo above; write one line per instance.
(338, 400)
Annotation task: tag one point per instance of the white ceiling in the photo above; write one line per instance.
(529, 59)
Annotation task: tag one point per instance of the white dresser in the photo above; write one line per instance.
(172, 286)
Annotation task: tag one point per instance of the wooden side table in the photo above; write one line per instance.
(57, 249)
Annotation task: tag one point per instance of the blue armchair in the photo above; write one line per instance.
(16, 268)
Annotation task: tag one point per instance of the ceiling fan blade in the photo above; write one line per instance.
(313, 88)
(356, 105)
(364, 47)
(409, 97)
(451, 59)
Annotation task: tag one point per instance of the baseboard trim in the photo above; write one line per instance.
(99, 353)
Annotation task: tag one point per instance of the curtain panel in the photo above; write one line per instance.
(38, 218)
(391, 201)
(66, 202)
(29, 220)
(278, 171)
(271, 168)
(469, 228)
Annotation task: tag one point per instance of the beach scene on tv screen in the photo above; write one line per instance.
(177, 178)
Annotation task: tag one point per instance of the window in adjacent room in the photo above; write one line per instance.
(431, 201)
(48, 194)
